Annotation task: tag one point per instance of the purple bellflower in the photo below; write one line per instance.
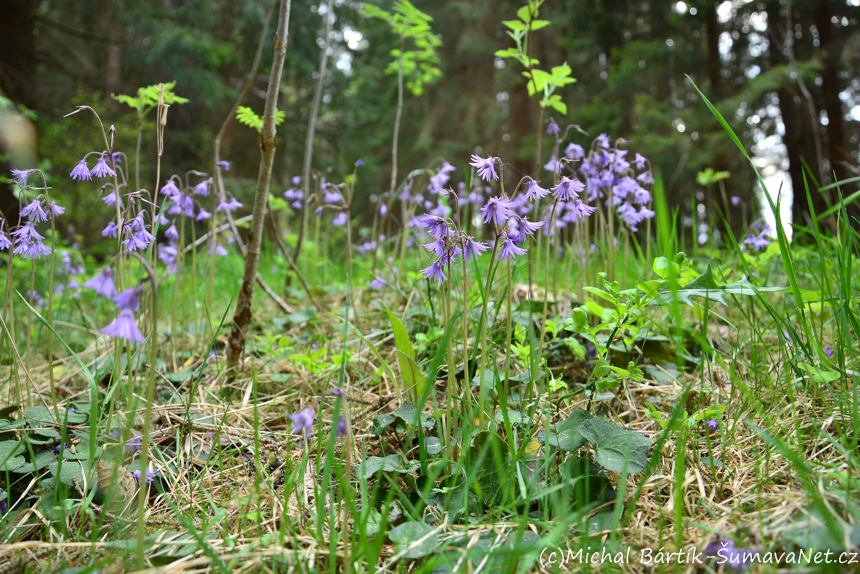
(303, 422)
(435, 226)
(124, 327)
(128, 299)
(102, 283)
(509, 250)
(56, 210)
(553, 165)
(497, 210)
(133, 445)
(230, 205)
(150, 476)
(169, 189)
(20, 176)
(81, 172)
(34, 212)
(574, 152)
(486, 167)
(102, 169)
(535, 191)
(568, 189)
(472, 249)
(435, 272)
(378, 283)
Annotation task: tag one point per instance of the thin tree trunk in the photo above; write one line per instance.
(218, 181)
(268, 142)
(393, 185)
(830, 89)
(397, 116)
(713, 29)
(312, 127)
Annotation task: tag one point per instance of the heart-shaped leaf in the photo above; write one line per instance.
(414, 538)
(11, 458)
(390, 463)
(566, 434)
(618, 449)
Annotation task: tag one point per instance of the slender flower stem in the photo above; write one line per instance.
(449, 352)
(50, 297)
(509, 329)
(312, 126)
(545, 309)
(8, 312)
(30, 297)
(484, 348)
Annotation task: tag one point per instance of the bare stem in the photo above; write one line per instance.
(312, 126)
(268, 142)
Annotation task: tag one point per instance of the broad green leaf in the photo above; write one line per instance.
(524, 14)
(819, 375)
(515, 25)
(409, 414)
(561, 72)
(391, 463)
(507, 53)
(559, 106)
(415, 539)
(566, 434)
(382, 422)
(40, 461)
(409, 371)
(11, 458)
(595, 309)
(71, 472)
(665, 268)
(433, 445)
(618, 449)
(538, 24)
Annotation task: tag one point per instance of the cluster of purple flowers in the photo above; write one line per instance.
(29, 243)
(303, 421)
(127, 303)
(101, 169)
(611, 176)
(758, 238)
(295, 195)
(507, 216)
(150, 476)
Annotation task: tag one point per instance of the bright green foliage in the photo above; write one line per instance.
(539, 81)
(708, 176)
(421, 65)
(147, 98)
(246, 116)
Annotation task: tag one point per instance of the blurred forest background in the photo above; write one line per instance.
(785, 74)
